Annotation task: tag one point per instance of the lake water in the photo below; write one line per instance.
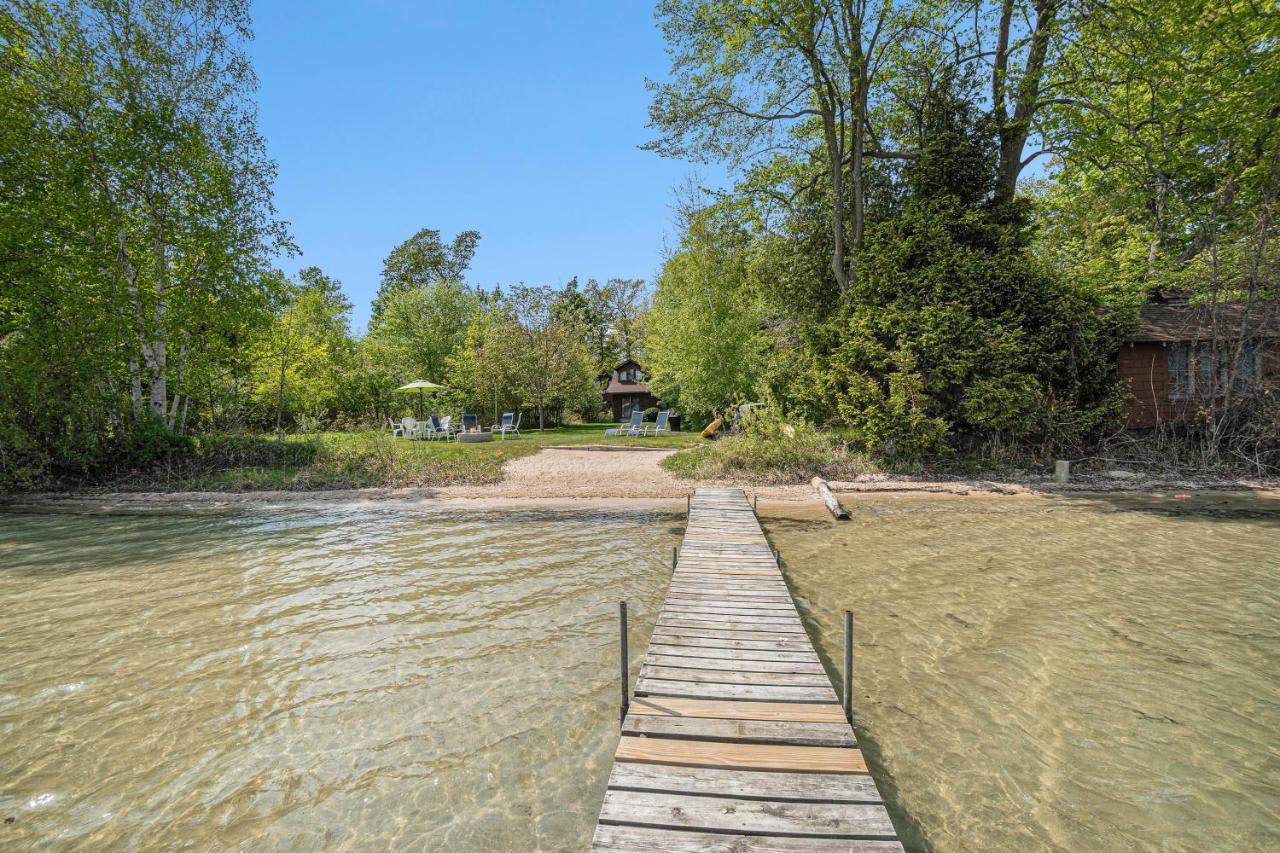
(1070, 675)
(338, 678)
(1029, 674)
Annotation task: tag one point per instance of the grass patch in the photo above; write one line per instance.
(771, 450)
(363, 460)
(353, 460)
(775, 452)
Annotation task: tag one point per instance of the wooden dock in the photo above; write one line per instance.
(735, 739)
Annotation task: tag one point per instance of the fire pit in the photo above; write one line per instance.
(475, 436)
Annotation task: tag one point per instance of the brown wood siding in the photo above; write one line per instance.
(614, 402)
(1145, 367)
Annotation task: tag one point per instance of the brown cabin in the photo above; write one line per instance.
(625, 391)
(1173, 365)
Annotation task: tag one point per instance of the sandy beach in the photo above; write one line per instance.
(610, 477)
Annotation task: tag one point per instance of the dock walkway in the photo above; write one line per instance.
(736, 740)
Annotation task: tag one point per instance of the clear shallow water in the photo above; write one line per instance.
(1032, 675)
(331, 678)
(1083, 675)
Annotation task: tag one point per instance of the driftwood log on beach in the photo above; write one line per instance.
(824, 492)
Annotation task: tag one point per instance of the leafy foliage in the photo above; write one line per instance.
(526, 356)
(705, 344)
(424, 261)
(772, 448)
(136, 219)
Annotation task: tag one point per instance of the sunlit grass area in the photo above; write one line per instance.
(348, 460)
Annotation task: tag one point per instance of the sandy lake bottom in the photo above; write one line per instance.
(1030, 674)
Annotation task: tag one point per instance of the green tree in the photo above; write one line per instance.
(556, 372)
(150, 107)
(608, 317)
(136, 219)
(622, 303)
(304, 353)
(1173, 122)
(523, 351)
(956, 334)
(704, 343)
(806, 78)
(423, 261)
(421, 327)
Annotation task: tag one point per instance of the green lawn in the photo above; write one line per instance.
(342, 460)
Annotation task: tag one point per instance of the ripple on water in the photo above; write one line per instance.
(348, 676)
(1030, 675)
(1060, 675)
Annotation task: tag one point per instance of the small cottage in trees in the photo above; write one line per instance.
(1183, 358)
(625, 390)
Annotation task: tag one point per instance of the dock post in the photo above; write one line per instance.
(675, 551)
(623, 662)
(848, 666)
(688, 507)
(755, 505)
(777, 557)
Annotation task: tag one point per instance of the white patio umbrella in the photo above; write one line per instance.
(423, 387)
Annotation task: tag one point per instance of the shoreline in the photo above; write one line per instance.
(782, 500)
(584, 477)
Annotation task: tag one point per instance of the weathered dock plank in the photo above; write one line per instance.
(786, 817)
(736, 739)
(638, 839)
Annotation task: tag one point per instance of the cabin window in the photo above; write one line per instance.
(1205, 363)
(1197, 371)
(1248, 369)
(1179, 372)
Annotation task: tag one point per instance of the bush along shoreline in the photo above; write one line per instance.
(774, 449)
(233, 463)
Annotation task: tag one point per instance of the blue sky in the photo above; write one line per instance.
(518, 119)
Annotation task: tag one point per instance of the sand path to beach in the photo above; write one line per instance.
(561, 472)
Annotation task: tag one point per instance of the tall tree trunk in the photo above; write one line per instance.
(135, 306)
(154, 358)
(179, 386)
(280, 399)
(158, 363)
(835, 170)
(1157, 232)
(135, 385)
(1015, 129)
(856, 172)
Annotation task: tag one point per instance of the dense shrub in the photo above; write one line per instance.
(771, 448)
(139, 451)
(954, 335)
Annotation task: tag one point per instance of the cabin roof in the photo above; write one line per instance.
(617, 386)
(1173, 323)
